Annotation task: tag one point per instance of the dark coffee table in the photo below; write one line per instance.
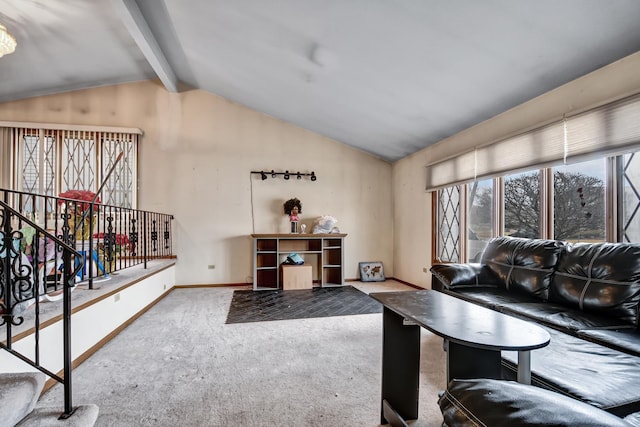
(474, 337)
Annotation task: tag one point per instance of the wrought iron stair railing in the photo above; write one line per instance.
(25, 280)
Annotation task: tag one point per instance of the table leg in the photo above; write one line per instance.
(400, 367)
(524, 367)
(465, 362)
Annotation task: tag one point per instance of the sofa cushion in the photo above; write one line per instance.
(559, 316)
(601, 278)
(592, 373)
(626, 340)
(526, 265)
(495, 403)
(491, 297)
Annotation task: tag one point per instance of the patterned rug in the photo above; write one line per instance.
(258, 306)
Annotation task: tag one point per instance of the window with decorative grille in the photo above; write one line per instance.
(49, 161)
(448, 225)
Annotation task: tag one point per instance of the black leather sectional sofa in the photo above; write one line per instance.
(586, 295)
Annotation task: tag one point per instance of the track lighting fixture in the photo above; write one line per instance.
(286, 174)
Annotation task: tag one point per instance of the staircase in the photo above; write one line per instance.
(19, 393)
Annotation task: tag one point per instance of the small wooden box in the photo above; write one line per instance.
(296, 277)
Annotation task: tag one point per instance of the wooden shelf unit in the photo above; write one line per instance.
(270, 250)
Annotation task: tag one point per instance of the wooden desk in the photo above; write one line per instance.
(324, 252)
(474, 338)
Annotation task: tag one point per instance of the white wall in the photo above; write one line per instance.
(195, 159)
(412, 205)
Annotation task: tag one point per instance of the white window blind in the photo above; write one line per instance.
(610, 129)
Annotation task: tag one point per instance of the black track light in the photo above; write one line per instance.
(286, 174)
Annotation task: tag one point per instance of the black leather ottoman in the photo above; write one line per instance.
(497, 403)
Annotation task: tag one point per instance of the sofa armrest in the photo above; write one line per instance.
(449, 276)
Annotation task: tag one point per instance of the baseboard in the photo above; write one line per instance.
(211, 285)
(407, 283)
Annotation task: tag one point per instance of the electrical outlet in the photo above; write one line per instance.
(211, 266)
(425, 269)
(116, 297)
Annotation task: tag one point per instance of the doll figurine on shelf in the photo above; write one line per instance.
(293, 207)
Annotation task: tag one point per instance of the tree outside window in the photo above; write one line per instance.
(579, 202)
(522, 205)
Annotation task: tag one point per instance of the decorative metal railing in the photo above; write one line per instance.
(110, 238)
(49, 245)
(24, 280)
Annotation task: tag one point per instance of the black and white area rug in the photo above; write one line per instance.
(258, 306)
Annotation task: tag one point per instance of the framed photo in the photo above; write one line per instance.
(371, 271)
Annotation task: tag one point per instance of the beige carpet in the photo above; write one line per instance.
(181, 365)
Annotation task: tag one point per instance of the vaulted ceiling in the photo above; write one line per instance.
(386, 76)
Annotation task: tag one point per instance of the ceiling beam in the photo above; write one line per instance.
(137, 26)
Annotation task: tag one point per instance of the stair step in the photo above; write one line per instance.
(19, 393)
(84, 416)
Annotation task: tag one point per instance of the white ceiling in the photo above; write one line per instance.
(386, 76)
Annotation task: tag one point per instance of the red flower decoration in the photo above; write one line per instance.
(80, 195)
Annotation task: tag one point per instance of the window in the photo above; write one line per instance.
(579, 201)
(573, 198)
(448, 220)
(481, 218)
(522, 205)
(630, 198)
(51, 161)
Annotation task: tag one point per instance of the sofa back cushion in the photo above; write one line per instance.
(602, 278)
(524, 265)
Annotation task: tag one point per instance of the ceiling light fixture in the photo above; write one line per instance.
(7, 42)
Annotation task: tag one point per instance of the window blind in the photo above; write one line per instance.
(610, 129)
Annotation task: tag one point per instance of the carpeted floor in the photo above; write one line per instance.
(179, 364)
(258, 306)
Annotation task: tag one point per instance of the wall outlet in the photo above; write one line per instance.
(425, 270)
(211, 266)
(116, 297)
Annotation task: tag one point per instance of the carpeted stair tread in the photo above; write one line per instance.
(19, 393)
(84, 416)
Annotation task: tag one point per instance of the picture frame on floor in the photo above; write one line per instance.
(371, 271)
